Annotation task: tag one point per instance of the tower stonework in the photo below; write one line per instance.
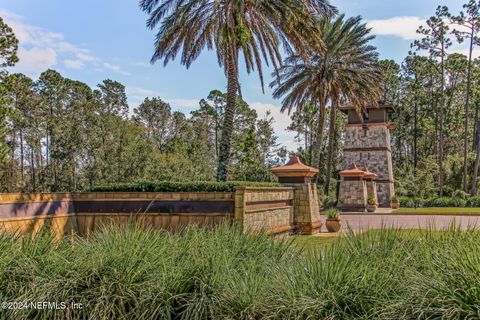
(367, 144)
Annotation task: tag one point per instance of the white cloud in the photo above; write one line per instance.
(73, 64)
(85, 56)
(36, 59)
(188, 103)
(136, 95)
(281, 122)
(464, 49)
(403, 27)
(406, 27)
(39, 49)
(115, 68)
(140, 91)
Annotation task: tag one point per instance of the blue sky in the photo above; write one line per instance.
(93, 40)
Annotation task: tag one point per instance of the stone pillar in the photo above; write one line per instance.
(353, 190)
(295, 174)
(367, 142)
(369, 178)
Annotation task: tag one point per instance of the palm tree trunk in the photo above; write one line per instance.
(226, 139)
(331, 138)
(467, 107)
(319, 138)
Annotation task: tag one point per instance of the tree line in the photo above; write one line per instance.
(437, 94)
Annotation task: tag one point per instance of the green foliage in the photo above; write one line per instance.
(473, 202)
(64, 136)
(8, 46)
(371, 200)
(394, 198)
(411, 202)
(240, 28)
(332, 213)
(171, 186)
(141, 273)
(460, 194)
(415, 202)
(345, 70)
(445, 202)
(327, 201)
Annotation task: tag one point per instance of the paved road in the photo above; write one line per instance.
(375, 221)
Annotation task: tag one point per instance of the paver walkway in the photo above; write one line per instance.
(375, 221)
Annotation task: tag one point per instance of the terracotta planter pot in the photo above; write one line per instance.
(333, 225)
(371, 208)
(395, 205)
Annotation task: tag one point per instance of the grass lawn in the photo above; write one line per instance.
(439, 211)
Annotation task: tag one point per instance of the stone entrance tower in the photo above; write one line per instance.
(367, 144)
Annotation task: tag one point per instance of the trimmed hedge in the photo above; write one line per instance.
(173, 186)
(408, 202)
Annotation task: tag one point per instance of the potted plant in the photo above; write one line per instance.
(371, 204)
(333, 220)
(394, 202)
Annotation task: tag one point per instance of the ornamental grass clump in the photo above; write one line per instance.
(332, 213)
(133, 272)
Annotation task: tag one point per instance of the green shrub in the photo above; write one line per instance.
(394, 198)
(327, 202)
(408, 202)
(445, 202)
(173, 186)
(332, 213)
(473, 201)
(460, 194)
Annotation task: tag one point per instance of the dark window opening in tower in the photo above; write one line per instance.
(365, 116)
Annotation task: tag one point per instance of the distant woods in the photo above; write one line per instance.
(61, 135)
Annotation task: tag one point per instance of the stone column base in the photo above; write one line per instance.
(308, 228)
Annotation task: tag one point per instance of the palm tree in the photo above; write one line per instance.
(254, 28)
(345, 69)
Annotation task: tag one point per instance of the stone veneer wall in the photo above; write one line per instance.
(353, 195)
(307, 210)
(82, 213)
(370, 146)
(275, 210)
(267, 209)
